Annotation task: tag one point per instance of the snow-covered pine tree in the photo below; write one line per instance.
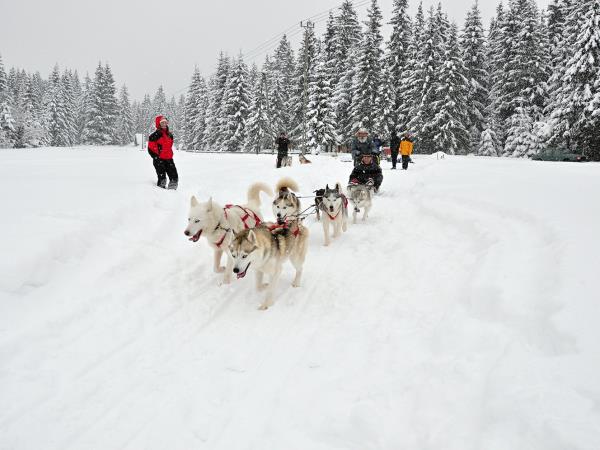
(82, 109)
(397, 68)
(425, 78)
(125, 119)
(110, 105)
(488, 143)
(195, 112)
(305, 66)
(520, 82)
(213, 136)
(69, 88)
(280, 77)
(159, 104)
(575, 116)
(7, 126)
(97, 131)
(347, 38)
(367, 79)
(56, 112)
(235, 107)
(521, 140)
(259, 134)
(320, 114)
(278, 110)
(473, 45)
(2, 82)
(451, 123)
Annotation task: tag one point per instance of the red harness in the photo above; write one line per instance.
(249, 213)
(284, 226)
(218, 244)
(345, 205)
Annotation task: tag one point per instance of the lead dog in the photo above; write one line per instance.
(333, 205)
(286, 205)
(265, 248)
(361, 197)
(218, 224)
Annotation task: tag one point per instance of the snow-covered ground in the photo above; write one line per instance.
(465, 314)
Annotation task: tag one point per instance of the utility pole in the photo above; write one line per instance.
(307, 26)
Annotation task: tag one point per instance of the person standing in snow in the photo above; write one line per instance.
(406, 148)
(283, 144)
(362, 144)
(394, 148)
(160, 148)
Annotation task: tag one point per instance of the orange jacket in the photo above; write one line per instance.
(406, 148)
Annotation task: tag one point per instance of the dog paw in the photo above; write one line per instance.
(296, 284)
(220, 270)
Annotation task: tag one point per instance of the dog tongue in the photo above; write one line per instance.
(241, 275)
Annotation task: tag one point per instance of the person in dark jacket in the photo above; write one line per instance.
(362, 144)
(283, 144)
(394, 148)
(367, 172)
(160, 148)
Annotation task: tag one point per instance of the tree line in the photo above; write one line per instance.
(531, 80)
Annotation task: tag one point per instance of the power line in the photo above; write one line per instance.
(273, 42)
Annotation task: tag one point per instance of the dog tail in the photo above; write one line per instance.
(254, 193)
(286, 184)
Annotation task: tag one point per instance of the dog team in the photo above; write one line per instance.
(250, 243)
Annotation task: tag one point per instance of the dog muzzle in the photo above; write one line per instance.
(195, 237)
(241, 274)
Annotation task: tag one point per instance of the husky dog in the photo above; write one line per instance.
(217, 223)
(303, 159)
(286, 205)
(265, 248)
(333, 205)
(360, 197)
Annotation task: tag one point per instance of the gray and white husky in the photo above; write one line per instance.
(361, 197)
(286, 205)
(218, 224)
(332, 204)
(264, 249)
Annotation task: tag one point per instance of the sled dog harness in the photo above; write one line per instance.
(249, 213)
(344, 205)
(284, 226)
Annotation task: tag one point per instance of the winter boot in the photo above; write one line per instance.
(162, 184)
(173, 185)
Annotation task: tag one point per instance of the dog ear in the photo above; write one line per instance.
(194, 201)
(327, 187)
(338, 187)
(209, 204)
(252, 237)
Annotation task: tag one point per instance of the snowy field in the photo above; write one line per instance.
(464, 315)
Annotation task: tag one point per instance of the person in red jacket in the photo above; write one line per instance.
(160, 148)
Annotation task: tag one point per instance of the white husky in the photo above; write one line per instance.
(218, 224)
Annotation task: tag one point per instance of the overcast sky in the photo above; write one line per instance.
(151, 42)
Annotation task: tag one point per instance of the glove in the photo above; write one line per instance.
(370, 182)
(354, 181)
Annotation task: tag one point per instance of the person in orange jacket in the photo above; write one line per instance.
(160, 148)
(406, 149)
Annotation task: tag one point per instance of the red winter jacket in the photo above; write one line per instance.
(160, 143)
